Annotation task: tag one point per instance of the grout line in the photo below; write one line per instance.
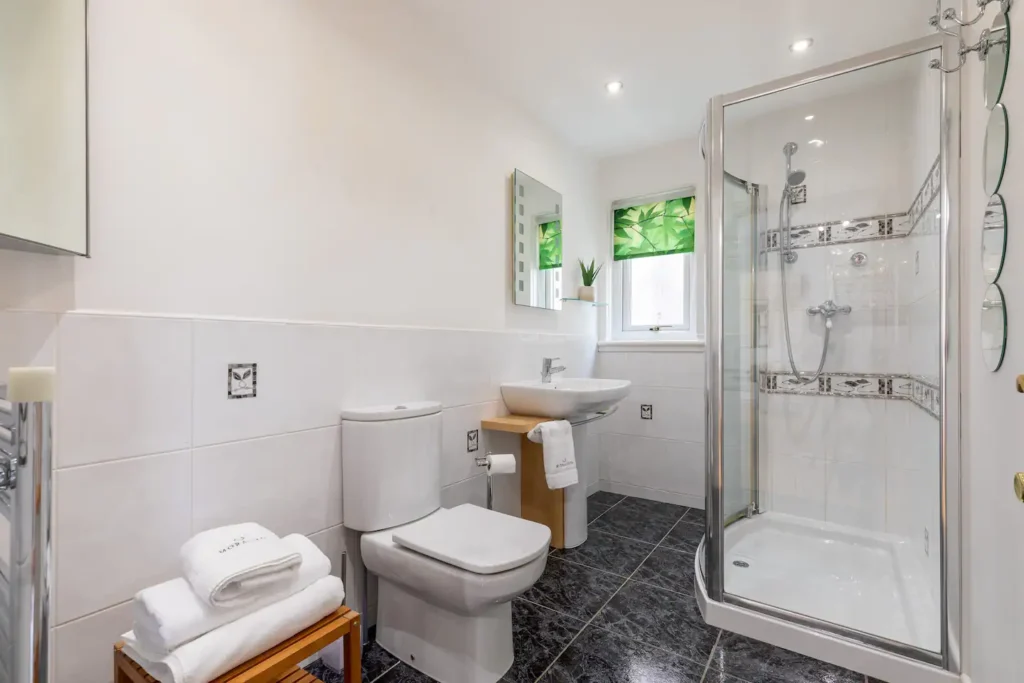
(707, 666)
(121, 603)
(387, 671)
(599, 610)
(609, 508)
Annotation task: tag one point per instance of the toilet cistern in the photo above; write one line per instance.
(546, 370)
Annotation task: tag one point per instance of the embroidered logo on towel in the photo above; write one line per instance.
(240, 541)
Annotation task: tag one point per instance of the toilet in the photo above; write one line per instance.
(446, 577)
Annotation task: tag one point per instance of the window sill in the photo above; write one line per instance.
(651, 346)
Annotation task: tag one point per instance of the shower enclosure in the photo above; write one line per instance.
(833, 480)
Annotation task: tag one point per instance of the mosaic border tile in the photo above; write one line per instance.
(866, 229)
(925, 196)
(921, 391)
(840, 232)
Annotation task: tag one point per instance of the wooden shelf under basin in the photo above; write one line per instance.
(539, 503)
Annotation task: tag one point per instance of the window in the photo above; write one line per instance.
(656, 293)
(653, 250)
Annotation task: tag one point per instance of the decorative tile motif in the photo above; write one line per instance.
(242, 380)
(473, 441)
(865, 229)
(840, 232)
(799, 194)
(925, 196)
(647, 412)
(922, 391)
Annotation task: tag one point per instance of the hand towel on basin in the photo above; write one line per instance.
(235, 565)
(559, 452)
(219, 651)
(170, 614)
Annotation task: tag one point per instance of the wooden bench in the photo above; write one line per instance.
(279, 664)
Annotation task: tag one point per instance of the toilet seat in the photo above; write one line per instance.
(445, 584)
(475, 539)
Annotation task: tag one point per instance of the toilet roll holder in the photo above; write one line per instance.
(482, 461)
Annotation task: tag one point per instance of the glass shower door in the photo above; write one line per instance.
(739, 387)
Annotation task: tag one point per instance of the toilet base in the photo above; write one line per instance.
(450, 647)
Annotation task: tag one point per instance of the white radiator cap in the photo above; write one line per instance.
(394, 411)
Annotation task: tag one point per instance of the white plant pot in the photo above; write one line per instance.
(586, 293)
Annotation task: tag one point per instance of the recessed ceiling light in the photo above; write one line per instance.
(809, 117)
(614, 88)
(801, 45)
(816, 143)
(846, 224)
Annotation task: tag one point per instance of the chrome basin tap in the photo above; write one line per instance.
(546, 370)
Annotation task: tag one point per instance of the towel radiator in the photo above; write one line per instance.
(26, 450)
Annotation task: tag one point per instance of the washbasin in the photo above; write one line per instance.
(563, 398)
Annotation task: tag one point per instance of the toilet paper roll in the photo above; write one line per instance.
(502, 463)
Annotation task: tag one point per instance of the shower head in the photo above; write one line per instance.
(795, 178)
(790, 149)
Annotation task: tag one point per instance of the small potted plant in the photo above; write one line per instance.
(589, 275)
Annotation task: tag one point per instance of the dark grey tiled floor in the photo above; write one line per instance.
(620, 609)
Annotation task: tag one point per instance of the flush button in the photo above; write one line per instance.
(1018, 486)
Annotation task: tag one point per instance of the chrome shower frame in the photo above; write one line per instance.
(711, 574)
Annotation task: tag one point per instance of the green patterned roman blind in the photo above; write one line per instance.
(551, 245)
(654, 229)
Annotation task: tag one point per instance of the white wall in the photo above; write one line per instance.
(317, 187)
(663, 458)
(993, 520)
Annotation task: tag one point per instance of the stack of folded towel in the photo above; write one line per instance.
(244, 590)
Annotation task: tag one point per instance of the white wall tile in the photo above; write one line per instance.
(26, 338)
(798, 485)
(332, 543)
(795, 424)
(856, 495)
(124, 387)
(678, 414)
(855, 430)
(273, 347)
(676, 466)
(456, 462)
(83, 649)
(290, 483)
(472, 491)
(119, 528)
(684, 370)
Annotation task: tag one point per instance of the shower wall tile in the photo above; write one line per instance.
(855, 495)
(798, 485)
(85, 645)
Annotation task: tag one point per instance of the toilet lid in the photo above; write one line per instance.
(476, 539)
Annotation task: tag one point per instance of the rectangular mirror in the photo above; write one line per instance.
(536, 243)
(43, 172)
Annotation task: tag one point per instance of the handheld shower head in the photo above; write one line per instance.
(790, 149)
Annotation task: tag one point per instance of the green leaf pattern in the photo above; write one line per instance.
(551, 245)
(654, 229)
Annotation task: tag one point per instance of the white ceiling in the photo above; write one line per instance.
(553, 57)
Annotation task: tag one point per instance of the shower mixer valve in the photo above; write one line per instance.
(829, 309)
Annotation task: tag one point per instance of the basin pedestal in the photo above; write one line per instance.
(563, 511)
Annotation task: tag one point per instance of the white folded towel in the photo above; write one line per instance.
(170, 614)
(236, 565)
(559, 452)
(221, 650)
